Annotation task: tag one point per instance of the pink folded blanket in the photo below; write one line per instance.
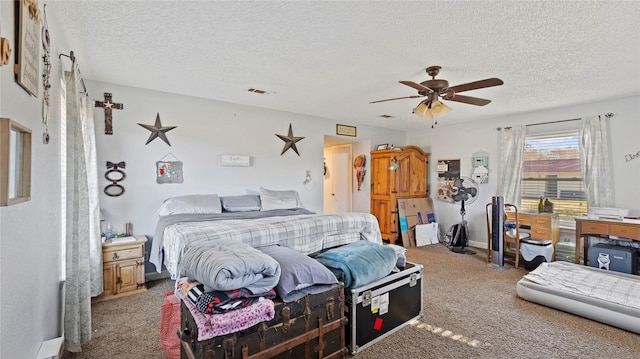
(213, 325)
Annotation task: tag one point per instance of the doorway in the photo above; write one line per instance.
(338, 179)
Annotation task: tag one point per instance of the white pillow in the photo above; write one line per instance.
(191, 204)
(271, 199)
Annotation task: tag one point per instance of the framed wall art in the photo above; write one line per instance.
(448, 172)
(15, 163)
(345, 130)
(27, 67)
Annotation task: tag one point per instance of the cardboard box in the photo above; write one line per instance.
(412, 212)
(426, 234)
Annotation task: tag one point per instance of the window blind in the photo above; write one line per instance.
(551, 170)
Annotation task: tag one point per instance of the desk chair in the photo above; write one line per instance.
(511, 232)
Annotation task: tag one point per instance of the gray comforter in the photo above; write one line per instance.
(228, 266)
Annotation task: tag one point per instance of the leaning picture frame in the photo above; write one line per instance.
(384, 146)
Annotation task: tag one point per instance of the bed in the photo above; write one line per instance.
(608, 297)
(266, 222)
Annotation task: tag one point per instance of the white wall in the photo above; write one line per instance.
(30, 239)
(461, 141)
(30, 233)
(205, 130)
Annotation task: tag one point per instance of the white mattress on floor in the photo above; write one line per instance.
(605, 296)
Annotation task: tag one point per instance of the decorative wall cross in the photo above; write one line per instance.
(108, 106)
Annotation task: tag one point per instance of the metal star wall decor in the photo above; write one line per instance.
(290, 141)
(158, 131)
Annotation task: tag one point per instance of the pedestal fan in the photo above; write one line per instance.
(465, 190)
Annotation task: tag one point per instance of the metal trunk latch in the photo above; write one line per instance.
(329, 308)
(262, 331)
(286, 317)
(413, 279)
(228, 345)
(366, 298)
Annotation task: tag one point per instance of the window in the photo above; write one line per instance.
(551, 169)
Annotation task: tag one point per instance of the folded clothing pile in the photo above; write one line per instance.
(213, 325)
(359, 263)
(228, 265)
(216, 301)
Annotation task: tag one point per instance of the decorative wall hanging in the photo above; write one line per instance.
(169, 171)
(46, 72)
(235, 161)
(289, 141)
(448, 172)
(308, 181)
(158, 131)
(108, 106)
(27, 67)
(480, 164)
(5, 50)
(358, 164)
(115, 175)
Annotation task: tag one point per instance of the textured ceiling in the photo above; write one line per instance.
(330, 59)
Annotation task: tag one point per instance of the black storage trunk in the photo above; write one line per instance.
(311, 327)
(381, 308)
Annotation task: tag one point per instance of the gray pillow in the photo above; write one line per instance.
(271, 199)
(191, 204)
(299, 274)
(243, 203)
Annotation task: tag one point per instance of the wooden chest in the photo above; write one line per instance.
(311, 327)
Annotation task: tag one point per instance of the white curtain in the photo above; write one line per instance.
(83, 247)
(511, 151)
(594, 161)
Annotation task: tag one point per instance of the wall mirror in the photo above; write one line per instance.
(15, 162)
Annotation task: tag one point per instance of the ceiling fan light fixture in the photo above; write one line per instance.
(437, 109)
(421, 109)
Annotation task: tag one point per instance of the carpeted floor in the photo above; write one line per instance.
(470, 311)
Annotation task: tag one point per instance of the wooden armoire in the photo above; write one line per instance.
(407, 180)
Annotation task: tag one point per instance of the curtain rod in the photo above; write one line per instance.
(607, 115)
(72, 56)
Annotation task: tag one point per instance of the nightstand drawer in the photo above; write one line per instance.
(111, 255)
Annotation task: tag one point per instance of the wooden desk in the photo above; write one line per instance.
(585, 227)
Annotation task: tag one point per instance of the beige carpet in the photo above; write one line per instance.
(470, 311)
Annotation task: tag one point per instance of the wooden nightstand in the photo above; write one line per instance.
(123, 268)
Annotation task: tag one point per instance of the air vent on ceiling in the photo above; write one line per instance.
(258, 91)
(386, 116)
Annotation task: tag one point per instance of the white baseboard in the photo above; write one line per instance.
(51, 349)
(475, 244)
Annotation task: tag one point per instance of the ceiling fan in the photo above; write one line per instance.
(439, 88)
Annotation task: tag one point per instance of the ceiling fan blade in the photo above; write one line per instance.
(417, 86)
(470, 100)
(397, 98)
(494, 81)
